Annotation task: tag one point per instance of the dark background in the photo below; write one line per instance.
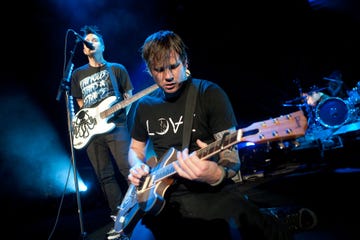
(255, 50)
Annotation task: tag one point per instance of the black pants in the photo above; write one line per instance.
(105, 152)
(220, 215)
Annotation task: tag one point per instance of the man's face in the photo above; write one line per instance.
(169, 76)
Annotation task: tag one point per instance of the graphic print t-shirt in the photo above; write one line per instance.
(93, 84)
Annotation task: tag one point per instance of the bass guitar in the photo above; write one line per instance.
(89, 122)
(148, 198)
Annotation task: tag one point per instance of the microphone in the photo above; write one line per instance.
(88, 44)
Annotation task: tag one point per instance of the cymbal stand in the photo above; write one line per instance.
(308, 108)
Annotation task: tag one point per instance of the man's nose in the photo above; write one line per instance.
(169, 76)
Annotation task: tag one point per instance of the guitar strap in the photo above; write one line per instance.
(189, 112)
(113, 81)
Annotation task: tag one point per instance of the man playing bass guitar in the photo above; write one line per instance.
(91, 86)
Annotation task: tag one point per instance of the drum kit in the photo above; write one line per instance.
(325, 117)
(331, 112)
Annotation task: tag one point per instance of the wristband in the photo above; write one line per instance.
(223, 174)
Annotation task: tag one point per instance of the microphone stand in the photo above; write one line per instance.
(65, 85)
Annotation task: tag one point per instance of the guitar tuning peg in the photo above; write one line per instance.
(296, 144)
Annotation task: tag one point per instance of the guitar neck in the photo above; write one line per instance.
(126, 102)
(204, 153)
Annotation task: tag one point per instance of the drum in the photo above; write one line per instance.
(332, 112)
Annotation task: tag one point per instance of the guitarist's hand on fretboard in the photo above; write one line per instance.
(192, 168)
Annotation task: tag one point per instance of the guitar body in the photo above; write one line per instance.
(150, 194)
(89, 122)
(147, 198)
(129, 212)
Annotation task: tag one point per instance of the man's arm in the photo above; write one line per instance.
(229, 158)
(80, 102)
(136, 158)
(136, 152)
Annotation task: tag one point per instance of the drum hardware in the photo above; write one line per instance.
(354, 96)
(332, 143)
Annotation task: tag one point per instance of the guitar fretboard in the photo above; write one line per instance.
(128, 101)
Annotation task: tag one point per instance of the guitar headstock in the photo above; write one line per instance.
(289, 126)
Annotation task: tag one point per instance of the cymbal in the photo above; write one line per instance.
(332, 80)
(301, 98)
(294, 105)
(316, 90)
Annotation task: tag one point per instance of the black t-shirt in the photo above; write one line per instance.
(93, 85)
(161, 120)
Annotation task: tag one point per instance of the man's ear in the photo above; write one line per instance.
(188, 73)
(186, 64)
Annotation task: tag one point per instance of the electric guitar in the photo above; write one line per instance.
(89, 122)
(148, 198)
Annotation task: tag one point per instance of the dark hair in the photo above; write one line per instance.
(157, 47)
(87, 29)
